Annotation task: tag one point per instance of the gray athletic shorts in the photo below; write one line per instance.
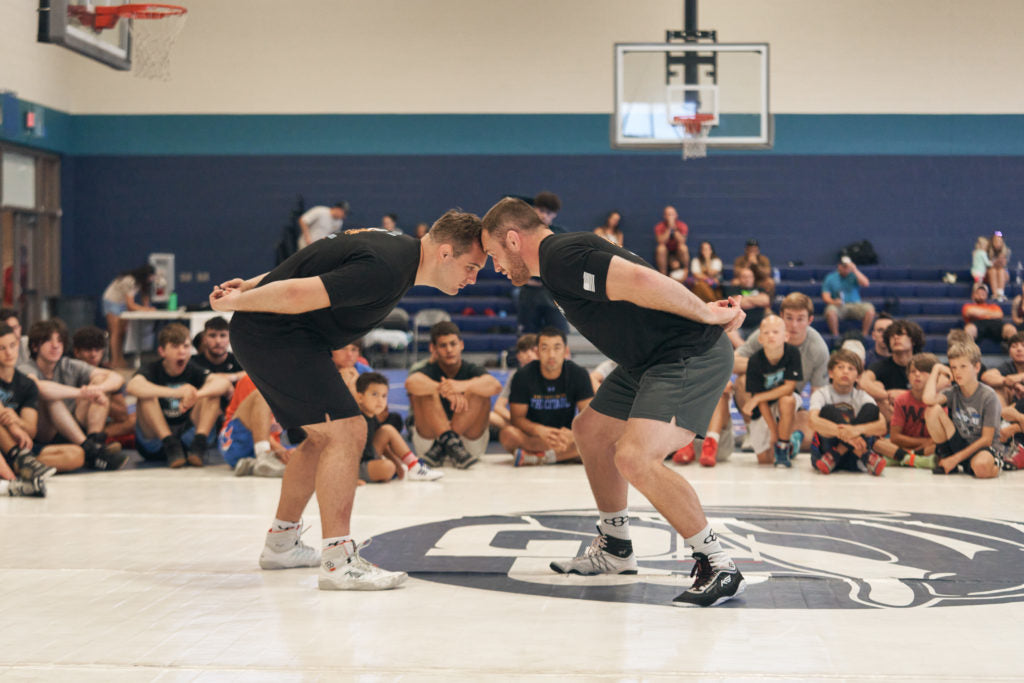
(687, 390)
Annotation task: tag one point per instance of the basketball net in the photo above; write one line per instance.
(695, 131)
(152, 40)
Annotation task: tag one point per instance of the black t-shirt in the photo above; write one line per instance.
(763, 375)
(20, 392)
(192, 374)
(574, 266)
(550, 402)
(891, 374)
(230, 364)
(366, 273)
(465, 371)
(372, 423)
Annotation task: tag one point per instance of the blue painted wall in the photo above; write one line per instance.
(223, 214)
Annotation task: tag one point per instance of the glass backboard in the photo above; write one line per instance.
(658, 85)
(67, 23)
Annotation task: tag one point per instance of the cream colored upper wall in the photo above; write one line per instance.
(531, 56)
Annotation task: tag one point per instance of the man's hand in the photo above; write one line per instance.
(8, 417)
(189, 396)
(22, 438)
(946, 464)
(93, 394)
(727, 312)
(224, 300)
(450, 389)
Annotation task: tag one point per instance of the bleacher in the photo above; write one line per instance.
(486, 311)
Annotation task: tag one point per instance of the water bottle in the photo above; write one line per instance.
(1020, 270)
(172, 301)
(776, 275)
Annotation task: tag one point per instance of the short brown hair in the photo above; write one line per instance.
(526, 342)
(459, 229)
(510, 213)
(42, 330)
(548, 201)
(958, 336)
(175, 333)
(1015, 339)
(364, 381)
(923, 362)
(968, 350)
(88, 338)
(796, 301)
(443, 329)
(845, 356)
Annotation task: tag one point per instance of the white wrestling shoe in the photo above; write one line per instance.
(285, 550)
(423, 472)
(597, 560)
(343, 569)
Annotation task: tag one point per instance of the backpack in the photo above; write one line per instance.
(862, 253)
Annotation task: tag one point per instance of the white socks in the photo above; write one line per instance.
(335, 541)
(614, 524)
(706, 542)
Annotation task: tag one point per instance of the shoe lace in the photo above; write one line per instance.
(596, 555)
(702, 569)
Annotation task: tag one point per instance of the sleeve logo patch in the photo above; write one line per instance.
(589, 283)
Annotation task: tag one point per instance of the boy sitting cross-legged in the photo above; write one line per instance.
(383, 439)
(772, 376)
(963, 438)
(845, 420)
(909, 444)
(178, 402)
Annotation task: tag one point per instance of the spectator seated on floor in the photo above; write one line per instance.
(1011, 435)
(671, 255)
(845, 421)
(963, 437)
(756, 303)
(213, 353)
(385, 455)
(841, 292)
(797, 312)
(178, 402)
(21, 472)
(74, 398)
(1008, 378)
(759, 263)
(250, 440)
(908, 443)
(983, 319)
(545, 397)
(773, 374)
(350, 363)
(888, 378)
(88, 345)
(12, 318)
(526, 352)
(878, 350)
(451, 402)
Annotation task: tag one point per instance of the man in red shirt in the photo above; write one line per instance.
(671, 254)
(984, 319)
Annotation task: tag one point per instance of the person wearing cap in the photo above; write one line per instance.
(321, 221)
(841, 293)
(983, 319)
(759, 263)
(998, 274)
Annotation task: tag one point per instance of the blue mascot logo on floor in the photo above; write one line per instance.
(793, 558)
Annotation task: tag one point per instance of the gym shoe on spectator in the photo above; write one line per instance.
(434, 455)
(874, 463)
(461, 457)
(523, 458)
(826, 463)
(28, 467)
(685, 455)
(175, 453)
(110, 459)
(422, 472)
(343, 569)
(713, 586)
(782, 455)
(709, 452)
(243, 468)
(27, 488)
(604, 555)
(284, 550)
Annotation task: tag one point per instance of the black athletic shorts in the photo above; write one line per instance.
(294, 373)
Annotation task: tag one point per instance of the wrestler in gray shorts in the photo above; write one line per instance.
(687, 390)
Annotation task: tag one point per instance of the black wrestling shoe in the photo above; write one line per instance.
(460, 456)
(714, 585)
(434, 455)
(27, 467)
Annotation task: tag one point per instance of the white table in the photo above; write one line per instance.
(137, 322)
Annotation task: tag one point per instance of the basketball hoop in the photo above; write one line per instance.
(695, 131)
(151, 40)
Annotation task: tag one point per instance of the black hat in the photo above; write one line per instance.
(752, 242)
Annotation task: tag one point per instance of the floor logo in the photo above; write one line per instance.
(796, 558)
